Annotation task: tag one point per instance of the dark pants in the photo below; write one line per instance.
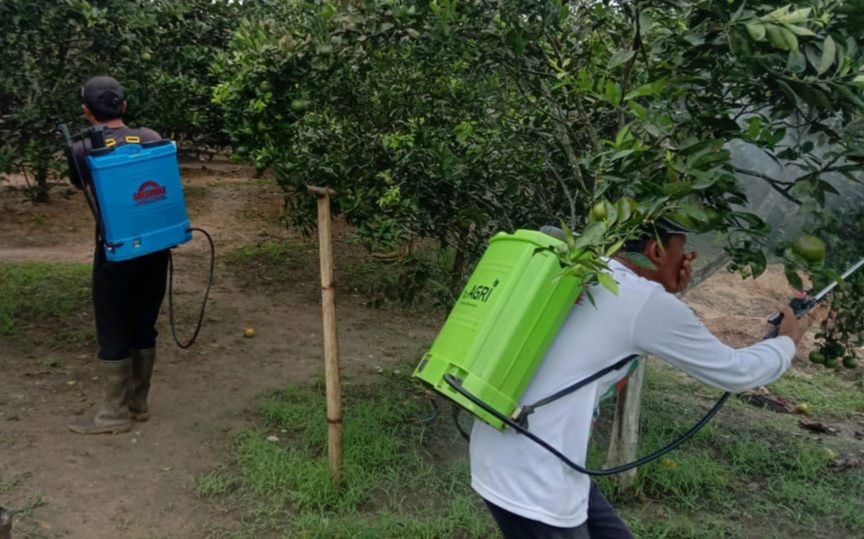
(603, 523)
(126, 299)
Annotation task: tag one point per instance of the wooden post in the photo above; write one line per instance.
(331, 343)
(624, 440)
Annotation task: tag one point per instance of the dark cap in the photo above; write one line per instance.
(671, 225)
(101, 89)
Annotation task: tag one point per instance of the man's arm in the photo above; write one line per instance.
(668, 329)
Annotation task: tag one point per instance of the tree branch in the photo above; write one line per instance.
(780, 186)
(571, 200)
(628, 68)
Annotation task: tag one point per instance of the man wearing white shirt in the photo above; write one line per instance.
(530, 492)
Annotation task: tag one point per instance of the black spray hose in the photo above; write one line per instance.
(86, 186)
(456, 384)
(206, 292)
(454, 413)
(436, 410)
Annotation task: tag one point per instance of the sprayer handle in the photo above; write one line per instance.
(799, 306)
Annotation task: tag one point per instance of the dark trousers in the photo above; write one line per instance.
(603, 523)
(127, 297)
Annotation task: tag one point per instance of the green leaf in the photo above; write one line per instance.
(829, 52)
(652, 88)
(756, 31)
(791, 39)
(590, 297)
(796, 62)
(608, 282)
(612, 249)
(793, 278)
(622, 135)
(776, 39)
(850, 95)
(620, 57)
(640, 111)
(836, 277)
(613, 93)
(639, 260)
(859, 81)
(568, 234)
(799, 30)
(799, 15)
(696, 212)
(592, 234)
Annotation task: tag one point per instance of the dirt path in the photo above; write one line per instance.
(142, 484)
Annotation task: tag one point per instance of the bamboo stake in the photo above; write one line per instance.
(331, 343)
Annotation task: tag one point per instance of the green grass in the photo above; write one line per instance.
(400, 476)
(826, 391)
(213, 484)
(749, 473)
(46, 302)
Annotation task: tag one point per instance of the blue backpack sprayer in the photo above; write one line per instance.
(136, 197)
(495, 337)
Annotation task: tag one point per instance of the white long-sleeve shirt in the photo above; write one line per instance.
(516, 474)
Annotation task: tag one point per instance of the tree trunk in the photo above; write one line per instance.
(40, 190)
(458, 268)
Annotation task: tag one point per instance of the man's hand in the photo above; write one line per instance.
(686, 272)
(792, 327)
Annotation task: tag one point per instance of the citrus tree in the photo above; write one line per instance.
(160, 51)
(452, 120)
(420, 133)
(163, 59)
(648, 99)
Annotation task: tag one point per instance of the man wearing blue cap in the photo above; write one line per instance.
(127, 295)
(533, 495)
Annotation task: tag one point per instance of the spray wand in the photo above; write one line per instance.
(801, 306)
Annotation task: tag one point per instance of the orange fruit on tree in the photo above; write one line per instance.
(598, 212)
(810, 248)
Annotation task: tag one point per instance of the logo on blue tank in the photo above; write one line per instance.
(149, 192)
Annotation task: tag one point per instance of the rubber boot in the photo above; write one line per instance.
(111, 416)
(142, 368)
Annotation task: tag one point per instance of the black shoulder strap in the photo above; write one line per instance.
(522, 413)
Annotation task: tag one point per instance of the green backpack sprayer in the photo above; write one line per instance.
(497, 334)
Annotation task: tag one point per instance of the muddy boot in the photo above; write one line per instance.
(142, 368)
(110, 415)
